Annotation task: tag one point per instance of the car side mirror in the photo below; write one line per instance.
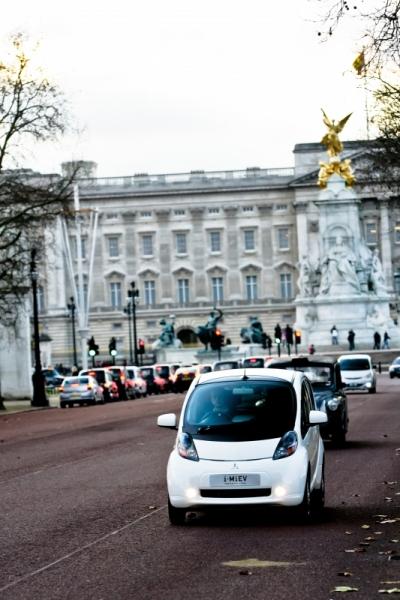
(168, 420)
(317, 417)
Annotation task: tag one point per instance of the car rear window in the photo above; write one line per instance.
(251, 410)
(225, 366)
(146, 372)
(319, 375)
(98, 375)
(253, 363)
(355, 364)
(75, 381)
(163, 371)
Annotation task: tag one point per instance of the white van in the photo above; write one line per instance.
(357, 372)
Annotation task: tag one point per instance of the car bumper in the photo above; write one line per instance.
(189, 482)
(364, 386)
(77, 399)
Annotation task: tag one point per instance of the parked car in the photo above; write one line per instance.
(226, 365)
(52, 378)
(105, 379)
(246, 438)
(155, 384)
(136, 382)
(325, 377)
(163, 370)
(358, 372)
(203, 368)
(82, 389)
(183, 377)
(119, 375)
(394, 368)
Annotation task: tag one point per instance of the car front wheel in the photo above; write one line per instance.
(318, 495)
(176, 515)
(304, 510)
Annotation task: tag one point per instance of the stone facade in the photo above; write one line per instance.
(193, 241)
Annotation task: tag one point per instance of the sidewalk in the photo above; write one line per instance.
(14, 406)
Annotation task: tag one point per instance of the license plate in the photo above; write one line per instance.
(75, 396)
(235, 479)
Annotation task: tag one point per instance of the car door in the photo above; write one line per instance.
(309, 434)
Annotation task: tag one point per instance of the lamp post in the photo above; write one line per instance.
(128, 312)
(133, 294)
(39, 392)
(71, 307)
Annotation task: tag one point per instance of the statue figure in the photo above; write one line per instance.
(377, 277)
(167, 336)
(331, 139)
(304, 281)
(339, 268)
(375, 317)
(253, 334)
(205, 332)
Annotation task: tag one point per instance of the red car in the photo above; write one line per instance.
(105, 379)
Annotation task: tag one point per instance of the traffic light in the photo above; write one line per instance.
(217, 340)
(112, 346)
(297, 336)
(93, 347)
(141, 347)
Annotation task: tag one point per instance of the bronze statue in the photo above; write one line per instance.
(334, 147)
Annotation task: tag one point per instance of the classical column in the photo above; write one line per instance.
(199, 255)
(165, 252)
(301, 225)
(231, 254)
(386, 257)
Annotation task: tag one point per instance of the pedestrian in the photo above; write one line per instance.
(311, 349)
(350, 338)
(278, 337)
(268, 342)
(334, 336)
(386, 338)
(289, 338)
(377, 341)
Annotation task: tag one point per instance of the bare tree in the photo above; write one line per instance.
(31, 109)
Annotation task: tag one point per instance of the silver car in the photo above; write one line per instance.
(83, 389)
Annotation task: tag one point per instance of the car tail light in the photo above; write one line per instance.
(287, 445)
(186, 448)
(90, 386)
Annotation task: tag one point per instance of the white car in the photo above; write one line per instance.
(357, 372)
(245, 438)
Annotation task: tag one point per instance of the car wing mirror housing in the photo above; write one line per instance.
(317, 417)
(168, 420)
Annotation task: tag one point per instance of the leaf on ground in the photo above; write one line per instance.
(394, 541)
(245, 572)
(388, 521)
(378, 532)
(348, 532)
(390, 591)
(363, 544)
(355, 550)
(344, 588)
(384, 552)
(347, 574)
(365, 526)
(370, 538)
(390, 482)
(387, 499)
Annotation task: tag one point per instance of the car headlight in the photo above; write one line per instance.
(287, 445)
(333, 403)
(186, 448)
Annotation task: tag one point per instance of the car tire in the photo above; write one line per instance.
(63, 405)
(391, 375)
(71, 404)
(318, 496)
(372, 390)
(339, 437)
(305, 509)
(176, 515)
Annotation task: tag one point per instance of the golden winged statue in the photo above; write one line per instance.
(331, 139)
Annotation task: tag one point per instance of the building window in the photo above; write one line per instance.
(397, 232)
(181, 245)
(147, 244)
(149, 292)
(283, 238)
(286, 286)
(217, 289)
(179, 211)
(248, 208)
(249, 239)
(115, 294)
(183, 291)
(113, 247)
(251, 287)
(214, 210)
(371, 233)
(215, 241)
(281, 207)
(145, 213)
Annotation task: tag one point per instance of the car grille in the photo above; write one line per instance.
(252, 493)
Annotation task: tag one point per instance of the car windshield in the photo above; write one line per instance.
(242, 410)
(354, 364)
(396, 361)
(226, 366)
(253, 363)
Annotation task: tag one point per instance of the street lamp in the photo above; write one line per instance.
(71, 307)
(39, 392)
(133, 294)
(128, 312)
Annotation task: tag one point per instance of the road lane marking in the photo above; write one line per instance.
(81, 549)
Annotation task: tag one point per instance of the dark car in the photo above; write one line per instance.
(394, 369)
(52, 378)
(324, 375)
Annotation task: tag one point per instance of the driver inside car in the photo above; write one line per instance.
(220, 411)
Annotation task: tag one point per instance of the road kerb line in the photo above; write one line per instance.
(81, 549)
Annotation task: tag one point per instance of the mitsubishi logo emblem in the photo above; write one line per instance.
(234, 466)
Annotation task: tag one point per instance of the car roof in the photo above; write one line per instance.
(346, 356)
(289, 376)
(303, 361)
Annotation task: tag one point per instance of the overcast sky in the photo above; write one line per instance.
(166, 86)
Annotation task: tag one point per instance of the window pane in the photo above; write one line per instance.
(249, 239)
(215, 241)
(147, 241)
(183, 291)
(181, 246)
(371, 233)
(283, 238)
(113, 246)
(251, 287)
(115, 294)
(397, 232)
(286, 285)
(150, 292)
(217, 288)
